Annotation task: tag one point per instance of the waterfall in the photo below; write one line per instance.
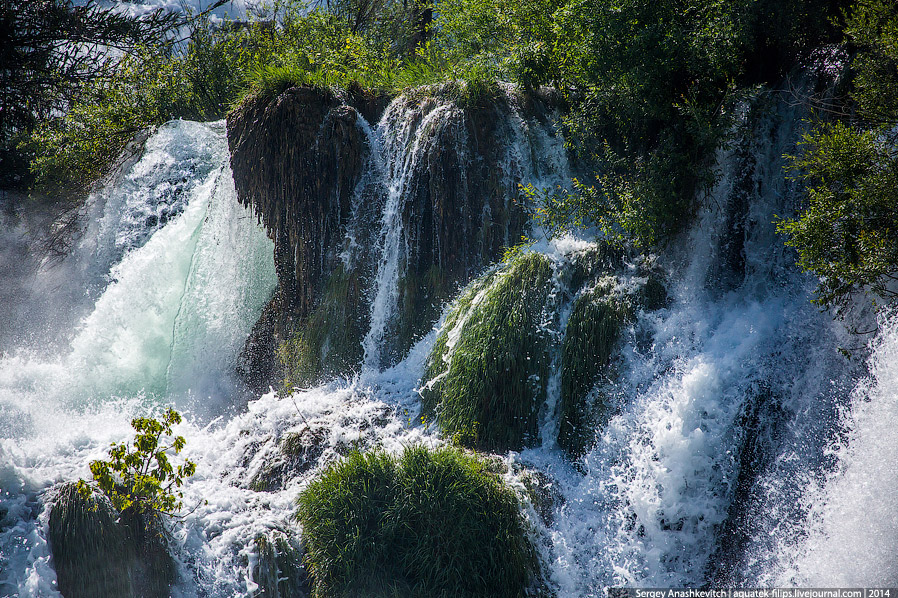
(408, 132)
(180, 296)
(405, 142)
(659, 490)
(742, 447)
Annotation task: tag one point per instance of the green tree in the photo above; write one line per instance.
(140, 478)
(846, 231)
(51, 50)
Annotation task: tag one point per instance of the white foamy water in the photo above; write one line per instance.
(851, 535)
(167, 328)
(743, 447)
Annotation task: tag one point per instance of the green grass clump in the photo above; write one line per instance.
(329, 342)
(426, 524)
(487, 391)
(589, 341)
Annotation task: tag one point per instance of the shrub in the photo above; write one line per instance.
(427, 524)
(144, 89)
(139, 478)
(486, 389)
(847, 232)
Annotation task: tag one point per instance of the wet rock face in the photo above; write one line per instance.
(320, 178)
(296, 161)
(98, 554)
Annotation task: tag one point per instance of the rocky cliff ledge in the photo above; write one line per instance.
(324, 183)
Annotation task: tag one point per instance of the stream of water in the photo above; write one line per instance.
(745, 447)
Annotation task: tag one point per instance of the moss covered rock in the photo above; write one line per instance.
(606, 304)
(486, 376)
(98, 553)
(426, 524)
(329, 342)
(297, 453)
(301, 161)
(591, 336)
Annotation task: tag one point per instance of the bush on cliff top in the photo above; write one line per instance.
(426, 523)
(846, 230)
(486, 392)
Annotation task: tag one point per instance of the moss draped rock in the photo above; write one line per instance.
(488, 371)
(299, 159)
(98, 553)
(486, 378)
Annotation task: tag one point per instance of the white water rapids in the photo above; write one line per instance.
(727, 378)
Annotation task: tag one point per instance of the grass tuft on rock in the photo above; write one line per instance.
(100, 553)
(428, 523)
(486, 376)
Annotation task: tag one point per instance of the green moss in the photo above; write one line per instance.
(329, 342)
(590, 338)
(436, 363)
(487, 391)
(426, 524)
(278, 569)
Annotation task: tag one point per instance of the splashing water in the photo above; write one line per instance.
(166, 329)
(743, 449)
(401, 130)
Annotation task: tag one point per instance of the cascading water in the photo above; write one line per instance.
(405, 139)
(740, 446)
(166, 328)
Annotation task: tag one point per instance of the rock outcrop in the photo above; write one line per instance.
(486, 380)
(296, 160)
(99, 553)
(375, 227)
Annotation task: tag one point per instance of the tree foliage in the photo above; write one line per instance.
(144, 89)
(52, 49)
(140, 477)
(847, 230)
